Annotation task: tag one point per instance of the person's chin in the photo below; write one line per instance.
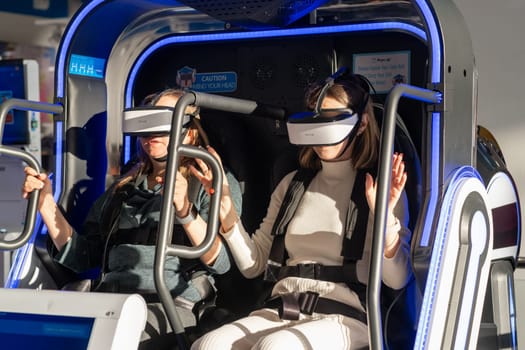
(326, 156)
(332, 158)
(157, 155)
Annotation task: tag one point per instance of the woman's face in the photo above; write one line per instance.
(333, 152)
(156, 146)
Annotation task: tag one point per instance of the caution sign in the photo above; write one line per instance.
(211, 82)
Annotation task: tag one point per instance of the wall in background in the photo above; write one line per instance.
(497, 28)
(23, 27)
(24, 35)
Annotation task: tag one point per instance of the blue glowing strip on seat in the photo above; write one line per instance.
(435, 157)
(435, 161)
(437, 254)
(59, 149)
(20, 256)
(276, 33)
(512, 313)
(127, 148)
(66, 42)
(434, 40)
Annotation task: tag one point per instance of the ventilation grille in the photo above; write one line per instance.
(306, 71)
(255, 13)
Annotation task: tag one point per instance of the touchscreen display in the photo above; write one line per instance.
(43, 332)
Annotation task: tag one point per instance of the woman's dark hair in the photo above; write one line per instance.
(352, 90)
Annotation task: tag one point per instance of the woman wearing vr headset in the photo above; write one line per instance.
(119, 234)
(314, 243)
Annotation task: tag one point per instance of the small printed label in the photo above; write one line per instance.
(207, 82)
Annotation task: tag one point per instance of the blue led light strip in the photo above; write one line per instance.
(512, 313)
(434, 40)
(127, 148)
(437, 255)
(435, 161)
(59, 126)
(277, 33)
(195, 38)
(20, 257)
(66, 43)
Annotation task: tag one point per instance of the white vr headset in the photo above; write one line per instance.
(150, 120)
(323, 128)
(329, 126)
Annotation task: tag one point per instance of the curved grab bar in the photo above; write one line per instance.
(383, 185)
(164, 248)
(29, 222)
(213, 225)
(176, 149)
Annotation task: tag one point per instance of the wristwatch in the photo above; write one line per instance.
(192, 216)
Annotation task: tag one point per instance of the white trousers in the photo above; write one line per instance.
(264, 330)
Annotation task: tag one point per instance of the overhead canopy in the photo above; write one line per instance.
(86, 36)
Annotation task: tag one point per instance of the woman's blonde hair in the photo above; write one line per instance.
(353, 91)
(144, 164)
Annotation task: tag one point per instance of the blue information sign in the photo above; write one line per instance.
(87, 66)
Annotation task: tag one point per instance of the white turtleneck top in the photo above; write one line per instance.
(315, 235)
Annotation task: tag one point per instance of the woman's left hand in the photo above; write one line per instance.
(398, 180)
(204, 174)
(227, 213)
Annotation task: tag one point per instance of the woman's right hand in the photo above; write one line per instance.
(36, 181)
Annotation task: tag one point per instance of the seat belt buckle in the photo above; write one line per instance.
(311, 270)
(271, 273)
(308, 302)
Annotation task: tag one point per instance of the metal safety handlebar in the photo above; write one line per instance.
(30, 219)
(177, 149)
(383, 185)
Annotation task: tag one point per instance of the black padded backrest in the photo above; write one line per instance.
(243, 145)
(403, 144)
(400, 308)
(85, 157)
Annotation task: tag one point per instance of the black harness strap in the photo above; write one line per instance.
(291, 305)
(399, 303)
(356, 221)
(293, 196)
(109, 223)
(295, 192)
(353, 245)
(356, 229)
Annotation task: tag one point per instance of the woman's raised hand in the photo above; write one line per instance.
(397, 184)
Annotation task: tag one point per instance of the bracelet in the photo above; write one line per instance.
(192, 216)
